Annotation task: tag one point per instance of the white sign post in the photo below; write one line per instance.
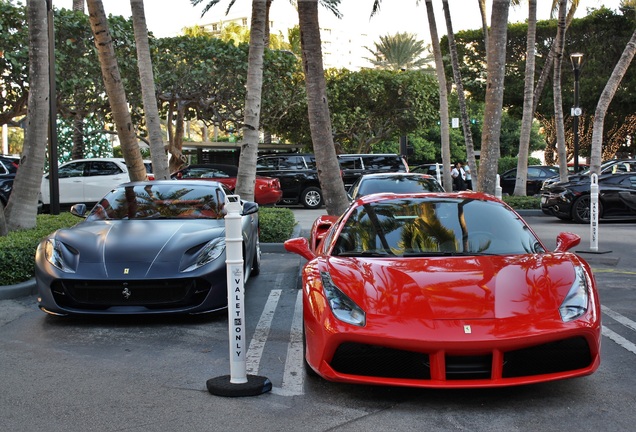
(594, 213)
(238, 383)
(594, 217)
(498, 192)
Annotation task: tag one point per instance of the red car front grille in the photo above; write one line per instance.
(376, 361)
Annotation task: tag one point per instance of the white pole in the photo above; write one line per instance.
(235, 289)
(594, 212)
(5, 139)
(498, 192)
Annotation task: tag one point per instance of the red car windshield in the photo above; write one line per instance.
(433, 227)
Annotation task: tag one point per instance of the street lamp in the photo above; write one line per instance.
(576, 59)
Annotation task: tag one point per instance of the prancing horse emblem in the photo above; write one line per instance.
(126, 293)
(126, 271)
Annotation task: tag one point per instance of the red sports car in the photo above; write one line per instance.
(444, 290)
(267, 190)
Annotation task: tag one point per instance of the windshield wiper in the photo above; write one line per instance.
(443, 253)
(364, 254)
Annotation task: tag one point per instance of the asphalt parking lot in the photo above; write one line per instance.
(141, 374)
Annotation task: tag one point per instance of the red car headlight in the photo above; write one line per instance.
(342, 306)
(575, 303)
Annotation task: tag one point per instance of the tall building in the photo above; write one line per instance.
(340, 48)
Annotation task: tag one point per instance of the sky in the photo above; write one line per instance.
(167, 17)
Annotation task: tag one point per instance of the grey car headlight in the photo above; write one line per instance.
(342, 306)
(60, 256)
(208, 253)
(576, 301)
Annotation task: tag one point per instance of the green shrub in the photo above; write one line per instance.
(17, 250)
(522, 202)
(277, 224)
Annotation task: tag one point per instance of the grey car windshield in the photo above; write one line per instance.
(434, 227)
(155, 201)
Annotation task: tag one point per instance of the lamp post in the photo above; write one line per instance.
(576, 59)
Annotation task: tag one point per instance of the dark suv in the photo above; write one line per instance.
(297, 175)
(355, 165)
(8, 168)
(299, 179)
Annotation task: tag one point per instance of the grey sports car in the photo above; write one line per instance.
(153, 247)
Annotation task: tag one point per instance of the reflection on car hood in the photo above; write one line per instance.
(482, 287)
(139, 245)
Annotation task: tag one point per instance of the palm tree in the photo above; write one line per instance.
(115, 90)
(401, 51)
(496, 54)
(528, 99)
(605, 99)
(556, 84)
(320, 122)
(329, 176)
(21, 209)
(447, 181)
(457, 77)
(147, 80)
(246, 177)
(484, 23)
(549, 61)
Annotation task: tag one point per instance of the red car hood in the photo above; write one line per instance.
(481, 287)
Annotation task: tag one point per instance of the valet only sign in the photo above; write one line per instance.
(238, 383)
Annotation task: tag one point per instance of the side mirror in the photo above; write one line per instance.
(299, 246)
(79, 210)
(566, 241)
(249, 207)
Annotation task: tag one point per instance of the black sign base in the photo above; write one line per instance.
(255, 385)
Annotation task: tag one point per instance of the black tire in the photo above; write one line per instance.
(581, 209)
(311, 198)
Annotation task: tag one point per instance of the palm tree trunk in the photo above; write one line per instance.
(147, 80)
(457, 77)
(484, 25)
(21, 209)
(246, 178)
(329, 173)
(549, 61)
(558, 100)
(606, 97)
(115, 90)
(447, 181)
(491, 131)
(77, 152)
(528, 99)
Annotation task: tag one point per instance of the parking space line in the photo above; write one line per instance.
(257, 344)
(629, 346)
(618, 317)
(293, 378)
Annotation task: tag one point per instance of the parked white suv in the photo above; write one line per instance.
(87, 180)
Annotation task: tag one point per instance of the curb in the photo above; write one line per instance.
(22, 289)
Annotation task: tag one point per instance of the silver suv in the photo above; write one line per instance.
(355, 165)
